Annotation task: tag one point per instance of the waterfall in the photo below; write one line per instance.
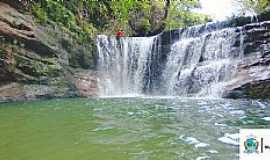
(200, 65)
(197, 61)
(125, 64)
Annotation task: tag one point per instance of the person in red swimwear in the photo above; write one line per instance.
(119, 34)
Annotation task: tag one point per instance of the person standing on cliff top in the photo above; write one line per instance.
(119, 34)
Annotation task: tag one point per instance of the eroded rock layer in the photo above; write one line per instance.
(40, 61)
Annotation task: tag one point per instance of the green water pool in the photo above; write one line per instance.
(127, 128)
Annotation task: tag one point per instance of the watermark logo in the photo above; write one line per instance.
(251, 144)
(254, 144)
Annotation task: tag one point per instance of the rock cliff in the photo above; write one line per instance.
(253, 74)
(41, 61)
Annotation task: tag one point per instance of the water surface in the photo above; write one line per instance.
(127, 128)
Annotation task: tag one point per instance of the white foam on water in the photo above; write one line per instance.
(191, 140)
(182, 98)
(232, 139)
(213, 151)
(237, 112)
(130, 113)
(102, 128)
(220, 124)
(201, 145)
(266, 118)
(242, 117)
(203, 158)
(121, 96)
(263, 106)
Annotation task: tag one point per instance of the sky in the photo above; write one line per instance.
(218, 9)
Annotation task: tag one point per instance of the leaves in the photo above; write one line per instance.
(88, 17)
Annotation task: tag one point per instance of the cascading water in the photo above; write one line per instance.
(198, 63)
(125, 64)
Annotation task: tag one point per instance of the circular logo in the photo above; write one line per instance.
(251, 145)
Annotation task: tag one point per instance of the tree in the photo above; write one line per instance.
(136, 17)
(165, 14)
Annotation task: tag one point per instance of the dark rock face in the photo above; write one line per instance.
(253, 76)
(253, 79)
(39, 61)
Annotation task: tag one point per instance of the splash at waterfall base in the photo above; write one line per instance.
(212, 60)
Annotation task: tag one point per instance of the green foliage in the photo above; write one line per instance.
(40, 13)
(121, 9)
(99, 13)
(86, 18)
(47, 11)
(55, 11)
(106, 14)
(89, 28)
(42, 69)
(145, 24)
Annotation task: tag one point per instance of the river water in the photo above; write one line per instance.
(142, 128)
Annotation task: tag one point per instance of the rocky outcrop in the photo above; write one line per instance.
(40, 61)
(86, 83)
(252, 79)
